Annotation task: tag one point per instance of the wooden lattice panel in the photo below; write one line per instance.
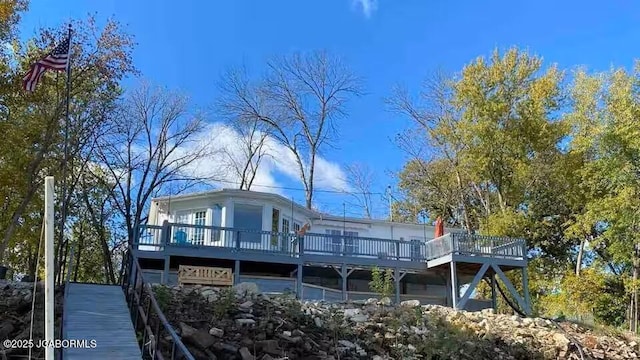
(203, 275)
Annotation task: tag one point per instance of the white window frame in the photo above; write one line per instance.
(190, 232)
(199, 235)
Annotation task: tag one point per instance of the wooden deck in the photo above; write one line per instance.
(100, 313)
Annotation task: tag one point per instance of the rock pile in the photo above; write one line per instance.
(241, 323)
(15, 317)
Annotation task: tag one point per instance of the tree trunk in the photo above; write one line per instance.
(108, 262)
(467, 222)
(634, 308)
(580, 253)
(80, 246)
(309, 194)
(98, 223)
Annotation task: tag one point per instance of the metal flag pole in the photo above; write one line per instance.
(49, 258)
(63, 205)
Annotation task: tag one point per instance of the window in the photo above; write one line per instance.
(181, 233)
(182, 217)
(285, 237)
(199, 218)
(416, 249)
(190, 234)
(275, 221)
(336, 238)
(248, 219)
(335, 241)
(350, 242)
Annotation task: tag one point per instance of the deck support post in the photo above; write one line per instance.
(344, 275)
(397, 285)
(525, 289)
(494, 303)
(522, 302)
(299, 282)
(397, 277)
(455, 291)
(236, 272)
(165, 271)
(476, 280)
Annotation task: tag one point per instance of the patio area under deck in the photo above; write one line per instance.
(455, 255)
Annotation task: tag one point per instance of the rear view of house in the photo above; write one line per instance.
(284, 247)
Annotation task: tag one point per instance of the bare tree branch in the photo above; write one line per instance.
(153, 141)
(298, 101)
(360, 178)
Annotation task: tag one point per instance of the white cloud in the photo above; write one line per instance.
(366, 6)
(330, 176)
(280, 161)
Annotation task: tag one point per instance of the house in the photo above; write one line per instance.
(282, 246)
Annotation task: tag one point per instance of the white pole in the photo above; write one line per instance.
(49, 296)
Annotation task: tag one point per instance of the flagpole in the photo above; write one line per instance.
(63, 218)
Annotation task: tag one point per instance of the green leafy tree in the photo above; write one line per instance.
(10, 11)
(32, 123)
(488, 153)
(606, 134)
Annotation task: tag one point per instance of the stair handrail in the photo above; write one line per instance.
(134, 286)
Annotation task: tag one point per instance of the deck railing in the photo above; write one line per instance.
(156, 238)
(476, 245)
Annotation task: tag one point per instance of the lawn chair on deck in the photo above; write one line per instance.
(180, 238)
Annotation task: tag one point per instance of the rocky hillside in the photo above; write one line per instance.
(241, 323)
(15, 317)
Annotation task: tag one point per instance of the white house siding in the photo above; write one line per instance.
(368, 243)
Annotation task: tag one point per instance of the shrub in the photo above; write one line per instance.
(382, 282)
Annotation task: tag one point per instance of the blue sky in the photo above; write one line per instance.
(186, 45)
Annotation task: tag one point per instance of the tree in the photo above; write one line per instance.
(102, 228)
(432, 187)
(244, 160)
(606, 136)
(152, 141)
(483, 132)
(486, 153)
(10, 11)
(32, 122)
(360, 178)
(298, 100)
(434, 137)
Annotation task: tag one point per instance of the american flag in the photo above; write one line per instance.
(57, 60)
